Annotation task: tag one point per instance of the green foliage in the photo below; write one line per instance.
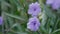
(16, 17)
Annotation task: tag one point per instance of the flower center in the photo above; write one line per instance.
(34, 9)
(34, 22)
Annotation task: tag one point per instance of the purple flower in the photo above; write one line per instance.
(49, 1)
(1, 20)
(33, 24)
(34, 9)
(54, 3)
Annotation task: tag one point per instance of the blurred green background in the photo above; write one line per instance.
(14, 13)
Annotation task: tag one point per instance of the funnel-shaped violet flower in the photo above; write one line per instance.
(34, 9)
(1, 20)
(54, 3)
(49, 1)
(33, 24)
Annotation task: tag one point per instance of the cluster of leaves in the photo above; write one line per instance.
(50, 19)
(15, 17)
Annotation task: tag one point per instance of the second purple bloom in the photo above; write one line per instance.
(33, 24)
